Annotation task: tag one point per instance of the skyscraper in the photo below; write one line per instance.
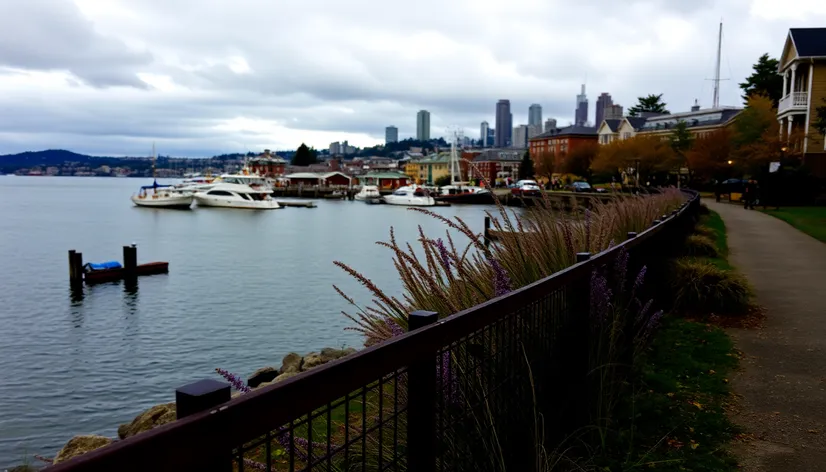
(535, 115)
(503, 124)
(391, 134)
(520, 137)
(603, 102)
(550, 124)
(423, 125)
(613, 112)
(581, 114)
(483, 133)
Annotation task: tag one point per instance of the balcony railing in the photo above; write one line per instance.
(794, 100)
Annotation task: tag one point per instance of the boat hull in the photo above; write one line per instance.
(473, 198)
(230, 202)
(409, 201)
(179, 202)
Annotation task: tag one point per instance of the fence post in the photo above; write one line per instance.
(578, 344)
(421, 403)
(201, 396)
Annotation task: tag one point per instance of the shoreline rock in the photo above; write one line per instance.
(80, 445)
(152, 418)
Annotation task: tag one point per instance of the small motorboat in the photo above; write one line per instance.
(368, 193)
(410, 196)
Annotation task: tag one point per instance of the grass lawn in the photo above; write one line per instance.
(676, 419)
(810, 220)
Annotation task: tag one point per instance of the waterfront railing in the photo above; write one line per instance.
(482, 389)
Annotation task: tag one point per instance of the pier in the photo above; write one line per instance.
(80, 273)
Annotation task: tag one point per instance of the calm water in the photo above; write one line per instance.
(244, 289)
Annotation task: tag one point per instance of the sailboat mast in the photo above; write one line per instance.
(452, 159)
(717, 68)
(154, 157)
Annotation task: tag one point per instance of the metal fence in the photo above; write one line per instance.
(465, 392)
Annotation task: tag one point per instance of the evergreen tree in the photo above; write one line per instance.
(764, 81)
(304, 156)
(526, 167)
(652, 103)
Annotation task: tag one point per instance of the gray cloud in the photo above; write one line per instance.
(211, 76)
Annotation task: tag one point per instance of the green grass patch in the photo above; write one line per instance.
(676, 419)
(810, 220)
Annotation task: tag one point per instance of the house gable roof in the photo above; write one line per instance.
(809, 42)
(635, 122)
(612, 125)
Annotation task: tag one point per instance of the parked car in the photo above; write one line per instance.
(579, 187)
(526, 188)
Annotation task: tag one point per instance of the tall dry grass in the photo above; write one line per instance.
(451, 274)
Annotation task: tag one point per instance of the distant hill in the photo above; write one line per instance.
(53, 157)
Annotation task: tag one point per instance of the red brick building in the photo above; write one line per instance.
(269, 165)
(321, 179)
(563, 140)
(497, 164)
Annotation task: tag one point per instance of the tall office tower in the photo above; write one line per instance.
(483, 133)
(550, 124)
(614, 112)
(535, 115)
(603, 102)
(423, 125)
(503, 124)
(581, 114)
(391, 134)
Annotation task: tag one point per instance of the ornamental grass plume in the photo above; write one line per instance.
(458, 271)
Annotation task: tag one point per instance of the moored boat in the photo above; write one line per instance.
(162, 196)
(410, 195)
(367, 193)
(236, 196)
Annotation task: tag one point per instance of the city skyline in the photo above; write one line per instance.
(109, 78)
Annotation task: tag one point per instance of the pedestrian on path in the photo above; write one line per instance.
(750, 194)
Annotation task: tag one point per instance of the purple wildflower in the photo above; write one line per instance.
(638, 282)
(394, 326)
(233, 379)
(443, 254)
(644, 311)
(655, 320)
(611, 244)
(587, 230)
(569, 242)
(448, 385)
(600, 297)
(254, 465)
(501, 281)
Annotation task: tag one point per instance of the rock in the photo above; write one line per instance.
(264, 374)
(312, 359)
(80, 445)
(327, 354)
(333, 354)
(291, 363)
(284, 376)
(151, 418)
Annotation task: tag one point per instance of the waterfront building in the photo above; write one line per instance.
(535, 115)
(699, 121)
(504, 118)
(428, 170)
(319, 178)
(385, 180)
(268, 164)
(603, 101)
(581, 112)
(391, 135)
(498, 164)
(423, 125)
(803, 67)
(562, 141)
(610, 130)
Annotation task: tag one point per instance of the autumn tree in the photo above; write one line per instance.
(764, 80)
(579, 159)
(544, 164)
(752, 123)
(710, 154)
(819, 122)
(652, 104)
(651, 152)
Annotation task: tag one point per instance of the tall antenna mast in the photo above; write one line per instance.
(717, 69)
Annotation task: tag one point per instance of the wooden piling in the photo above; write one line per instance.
(487, 231)
(130, 259)
(75, 267)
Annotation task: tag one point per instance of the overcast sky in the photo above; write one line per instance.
(203, 77)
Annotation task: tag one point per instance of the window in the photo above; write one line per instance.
(626, 135)
(219, 193)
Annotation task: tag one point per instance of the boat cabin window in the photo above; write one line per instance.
(418, 193)
(244, 196)
(220, 193)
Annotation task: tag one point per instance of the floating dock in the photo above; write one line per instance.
(80, 273)
(298, 204)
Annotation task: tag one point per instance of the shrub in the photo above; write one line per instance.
(703, 230)
(700, 246)
(704, 288)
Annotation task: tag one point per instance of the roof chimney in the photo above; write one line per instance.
(696, 106)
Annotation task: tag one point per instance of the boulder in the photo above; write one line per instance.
(264, 374)
(151, 418)
(284, 376)
(333, 354)
(291, 363)
(80, 445)
(312, 359)
(326, 355)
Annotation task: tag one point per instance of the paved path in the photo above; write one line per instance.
(783, 382)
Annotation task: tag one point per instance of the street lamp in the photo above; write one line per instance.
(730, 162)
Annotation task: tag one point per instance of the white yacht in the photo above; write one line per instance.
(368, 192)
(410, 196)
(161, 196)
(245, 177)
(236, 196)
